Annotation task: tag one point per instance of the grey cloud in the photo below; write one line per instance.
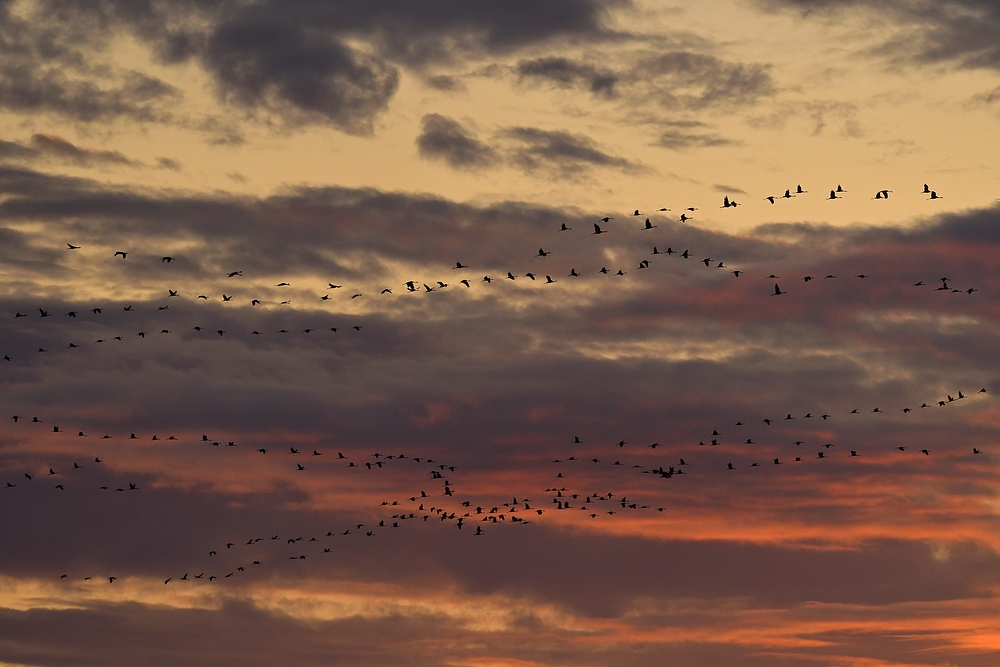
(168, 163)
(44, 68)
(445, 139)
(728, 189)
(683, 140)
(29, 90)
(445, 83)
(963, 32)
(566, 73)
(533, 149)
(820, 113)
(988, 97)
(17, 151)
(274, 65)
(671, 80)
(297, 59)
(43, 146)
(55, 145)
(698, 81)
(529, 149)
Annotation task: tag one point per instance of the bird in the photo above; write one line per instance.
(598, 230)
(564, 228)
(166, 259)
(777, 290)
(122, 253)
(648, 224)
(833, 195)
(72, 247)
(543, 253)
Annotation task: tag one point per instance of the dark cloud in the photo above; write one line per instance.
(56, 146)
(533, 149)
(168, 163)
(446, 83)
(566, 73)
(445, 139)
(45, 68)
(16, 151)
(529, 149)
(963, 32)
(44, 146)
(988, 97)
(664, 354)
(698, 81)
(263, 63)
(300, 60)
(683, 139)
(671, 80)
(728, 189)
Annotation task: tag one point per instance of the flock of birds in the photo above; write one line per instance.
(446, 504)
(418, 286)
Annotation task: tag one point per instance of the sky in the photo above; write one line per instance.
(418, 334)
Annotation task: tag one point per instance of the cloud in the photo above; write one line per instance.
(566, 73)
(283, 66)
(53, 147)
(56, 146)
(446, 83)
(698, 81)
(533, 149)
(988, 97)
(680, 138)
(728, 189)
(168, 163)
(529, 149)
(300, 62)
(962, 32)
(445, 139)
(793, 560)
(672, 80)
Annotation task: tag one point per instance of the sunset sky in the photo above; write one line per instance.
(252, 415)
